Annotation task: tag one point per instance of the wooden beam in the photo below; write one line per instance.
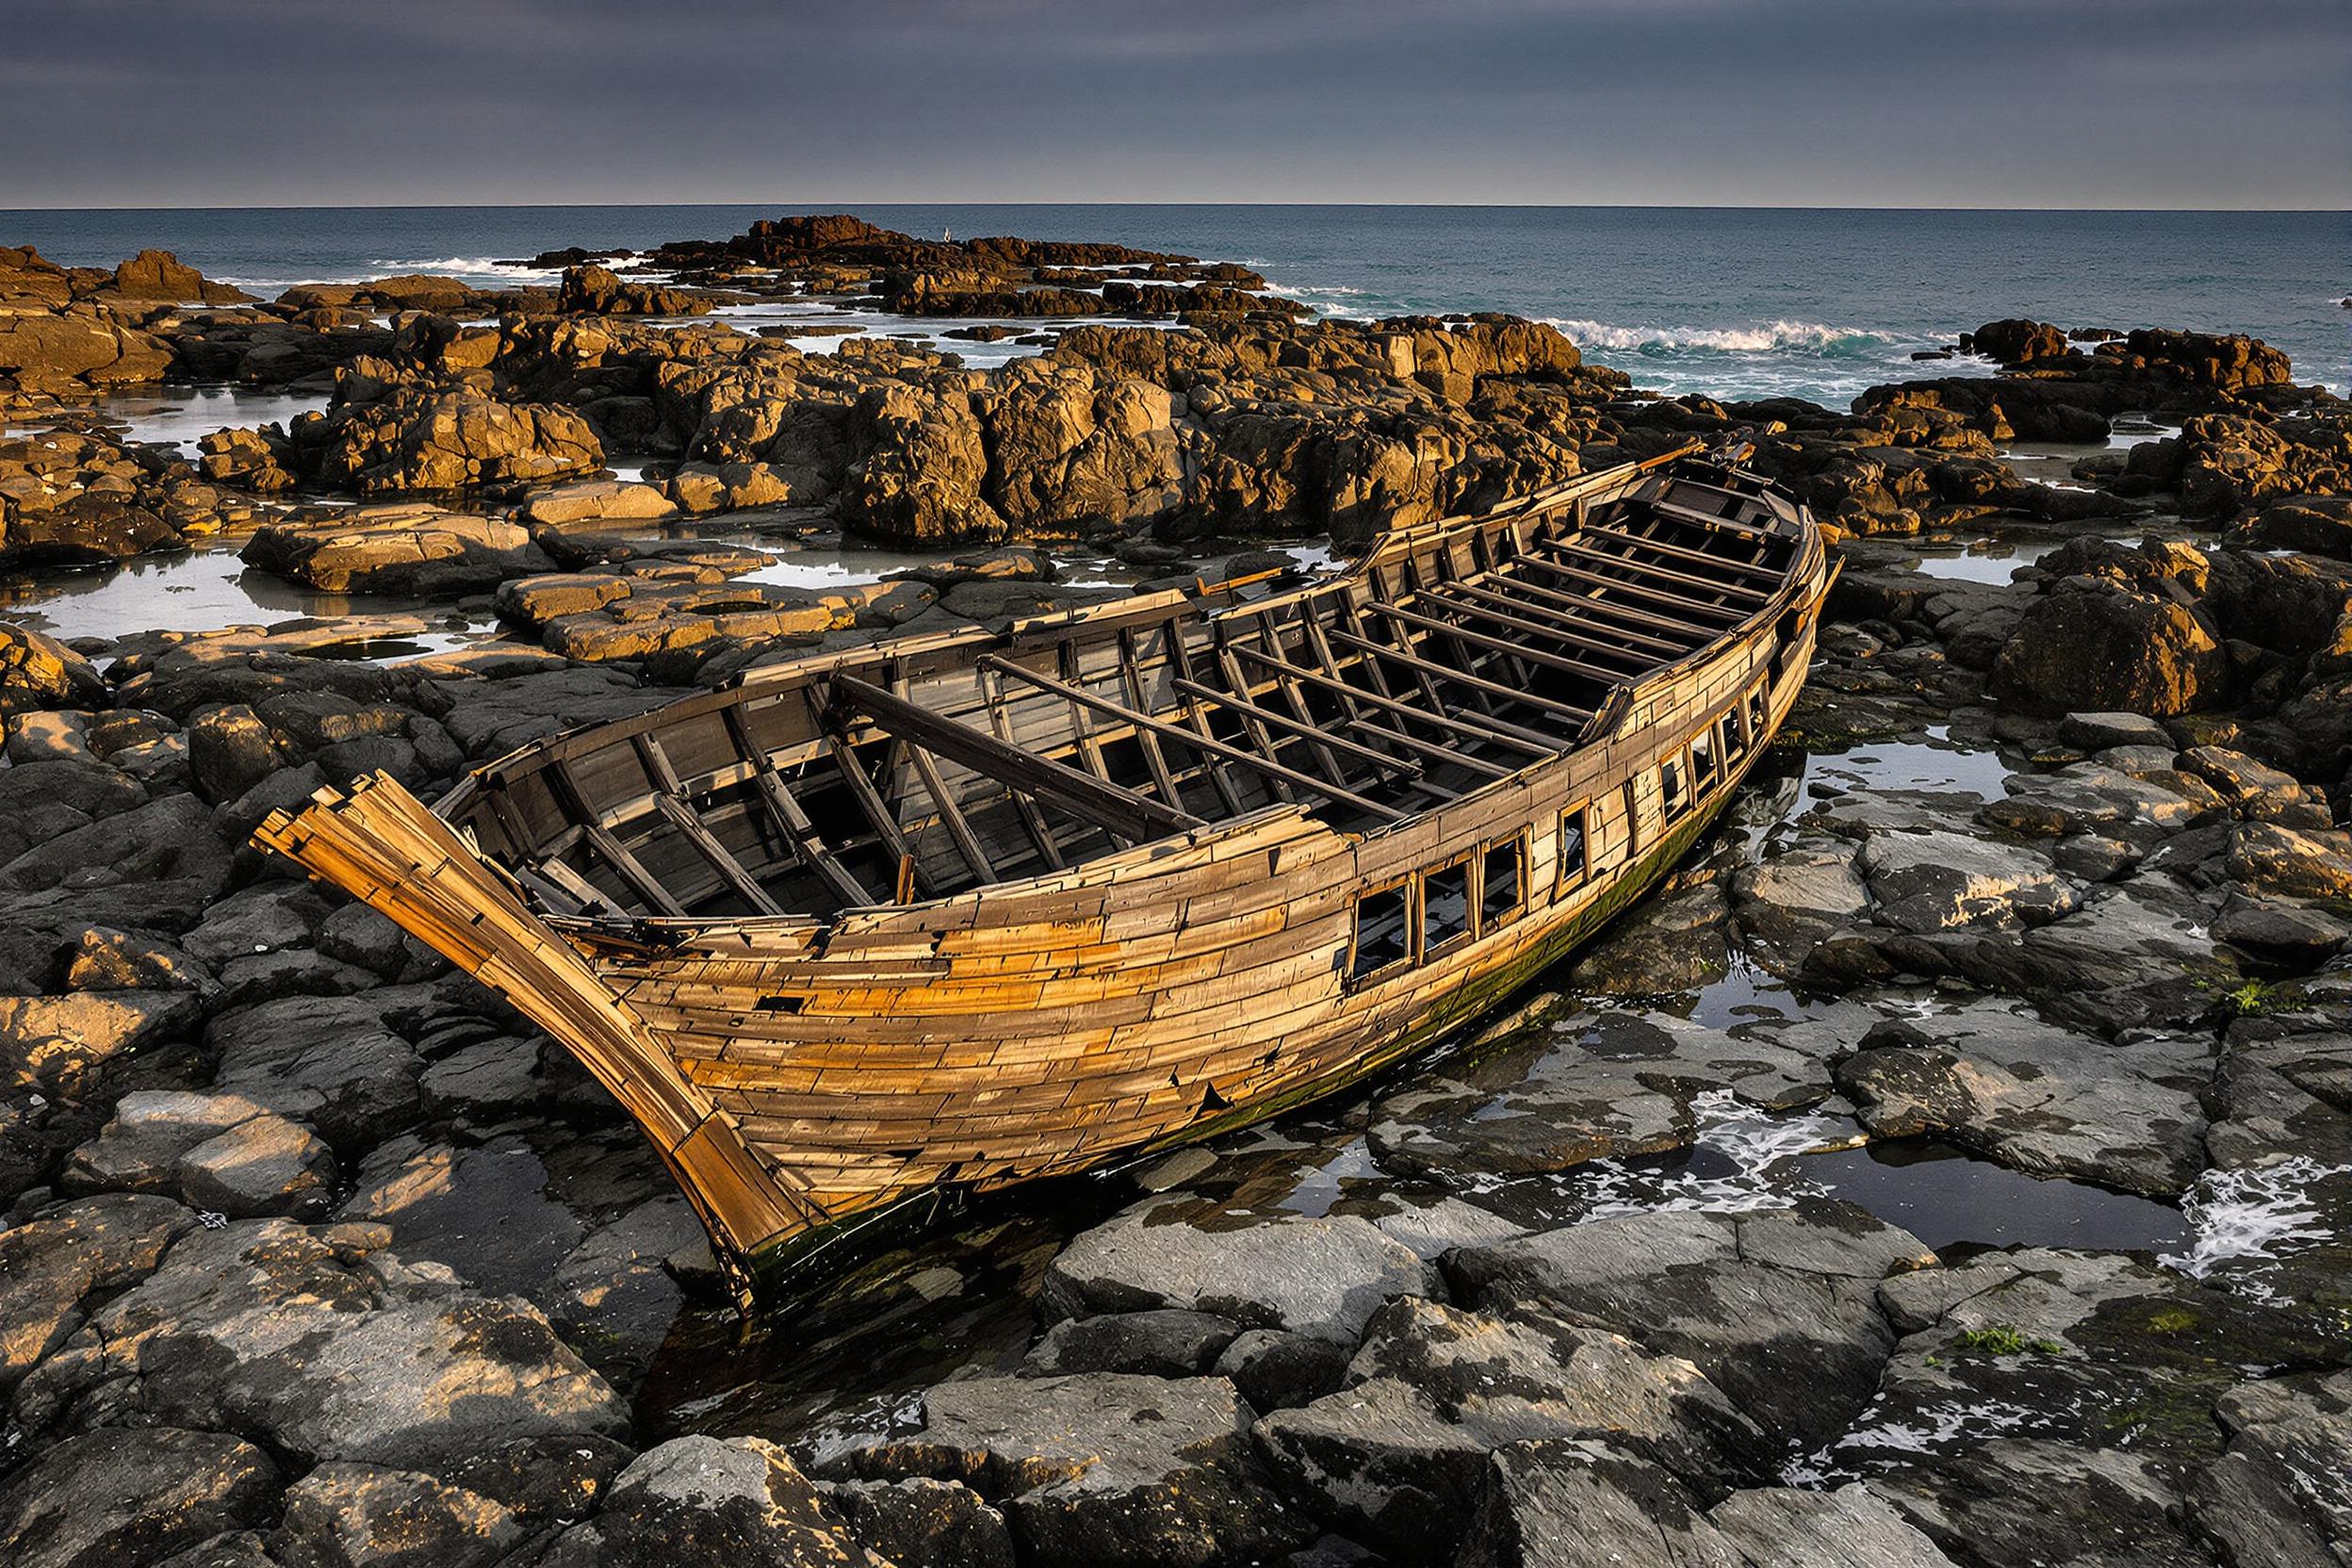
(1501, 644)
(1131, 678)
(1298, 726)
(669, 798)
(1469, 728)
(1179, 666)
(868, 799)
(1112, 806)
(1682, 553)
(790, 821)
(1622, 585)
(1406, 655)
(614, 854)
(951, 815)
(697, 833)
(1603, 615)
(1655, 571)
(1540, 621)
(1033, 820)
(1207, 745)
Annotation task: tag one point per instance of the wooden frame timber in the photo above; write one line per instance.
(872, 930)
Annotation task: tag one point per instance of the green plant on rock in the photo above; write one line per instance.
(2000, 1339)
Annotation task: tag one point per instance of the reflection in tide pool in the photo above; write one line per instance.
(184, 414)
(199, 590)
(1938, 763)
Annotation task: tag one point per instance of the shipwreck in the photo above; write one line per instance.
(871, 931)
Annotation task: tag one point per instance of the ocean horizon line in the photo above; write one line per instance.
(829, 204)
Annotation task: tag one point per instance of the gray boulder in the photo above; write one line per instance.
(698, 1502)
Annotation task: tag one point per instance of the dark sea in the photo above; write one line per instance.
(1733, 301)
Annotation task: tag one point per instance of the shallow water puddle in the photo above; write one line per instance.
(1938, 763)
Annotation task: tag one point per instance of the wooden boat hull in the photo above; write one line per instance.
(811, 1079)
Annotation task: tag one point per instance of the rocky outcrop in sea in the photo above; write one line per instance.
(1951, 1162)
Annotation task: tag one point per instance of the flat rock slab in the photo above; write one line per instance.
(1587, 1505)
(1322, 1275)
(1100, 1469)
(1778, 1308)
(1940, 881)
(1849, 1528)
(1599, 1085)
(2037, 1097)
(424, 551)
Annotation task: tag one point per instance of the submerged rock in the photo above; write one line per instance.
(2040, 1098)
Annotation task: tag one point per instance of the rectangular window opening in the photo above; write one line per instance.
(1444, 906)
(1383, 931)
(1502, 883)
(1670, 787)
(1575, 848)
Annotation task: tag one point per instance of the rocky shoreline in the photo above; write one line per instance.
(314, 1255)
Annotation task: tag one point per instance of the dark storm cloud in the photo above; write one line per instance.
(2147, 103)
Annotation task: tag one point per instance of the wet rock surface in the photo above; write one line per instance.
(315, 1256)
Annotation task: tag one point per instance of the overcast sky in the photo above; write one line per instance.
(1894, 103)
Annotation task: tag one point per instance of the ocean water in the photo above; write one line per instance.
(1733, 301)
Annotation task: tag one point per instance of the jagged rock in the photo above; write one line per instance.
(1166, 1343)
(51, 1265)
(139, 1148)
(1102, 1468)
(920, 481)
(919, 1523)
(370, 1516)
(47, 1039)
(2039, 1098)
(1778, 1308)
(118, 1497)
(698, 1502)
(263, 1165)
(2280, 1494)
(1278, 1370)
(1399, 1456)
(2285, 860)
(427, 439)
(1324, 1276)
(37, 671)
(2093, 644)
(327, 1348)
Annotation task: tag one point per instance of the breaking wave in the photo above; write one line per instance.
(2246, 1219)
(464, 266)
(1770, 337)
